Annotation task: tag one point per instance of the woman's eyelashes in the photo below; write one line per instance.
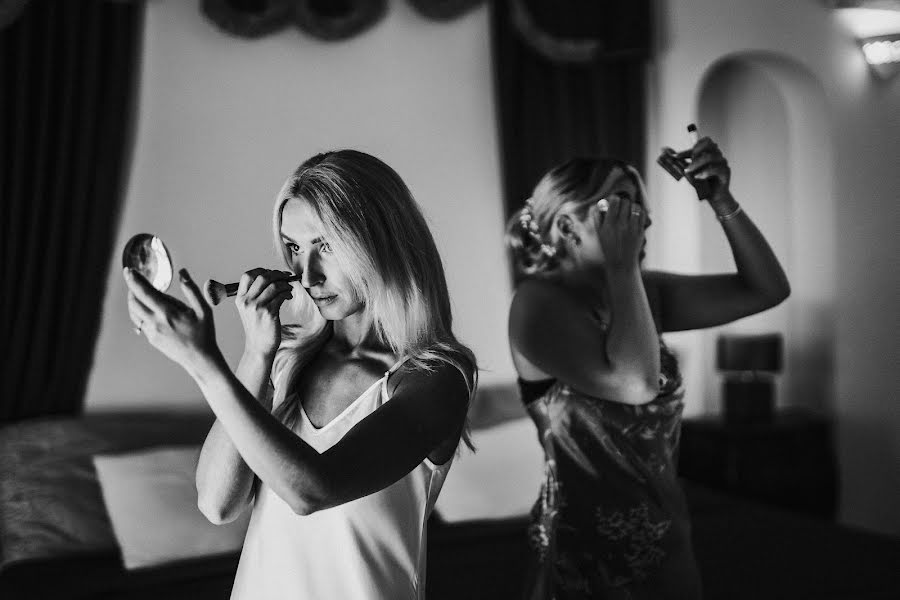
(293, 248)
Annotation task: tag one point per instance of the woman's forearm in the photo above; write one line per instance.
(224, 481)
(757, 266)
(632, 340)
(288, 465)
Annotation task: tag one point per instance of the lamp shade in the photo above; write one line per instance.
(758, 352)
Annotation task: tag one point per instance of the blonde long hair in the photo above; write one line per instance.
(572, 186)
(381, 241)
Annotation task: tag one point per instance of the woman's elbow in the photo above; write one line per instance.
(218, 507)
(218, 513)
(777, 295)
(319, 488)
(636, 389)
(784, 292)
(779, 288)
(313, 495)
(304, 505)
(642, 390)
(303, 509)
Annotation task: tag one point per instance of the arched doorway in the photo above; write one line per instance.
(769, 115)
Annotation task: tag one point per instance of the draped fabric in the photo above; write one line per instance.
(322, 19)
(68, 74)
(569, 80)
(443, 10)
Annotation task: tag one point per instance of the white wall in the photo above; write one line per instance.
(224, 121)
(861, 216)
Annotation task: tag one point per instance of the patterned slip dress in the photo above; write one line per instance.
(611, 520)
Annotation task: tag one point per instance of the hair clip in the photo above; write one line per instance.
(530, 226)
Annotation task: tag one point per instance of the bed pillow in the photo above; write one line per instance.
(500, 480)
(151, 499)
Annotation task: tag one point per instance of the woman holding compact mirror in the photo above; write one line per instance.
(595, 376)
(338, 431)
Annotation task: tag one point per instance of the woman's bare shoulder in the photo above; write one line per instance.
(456, 369)
(545, 307)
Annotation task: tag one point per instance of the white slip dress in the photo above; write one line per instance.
(370, 548)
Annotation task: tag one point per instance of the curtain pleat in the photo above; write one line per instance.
(67, 92)
(549, 111)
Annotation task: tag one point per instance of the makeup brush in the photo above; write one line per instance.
(219, 291)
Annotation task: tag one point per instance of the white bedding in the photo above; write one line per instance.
(500, 480)
(151, 499)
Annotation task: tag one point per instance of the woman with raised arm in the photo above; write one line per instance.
(343, 459)
(600, 384)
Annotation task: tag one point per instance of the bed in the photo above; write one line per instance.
(56, 538)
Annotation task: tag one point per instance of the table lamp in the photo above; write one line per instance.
(749, 364)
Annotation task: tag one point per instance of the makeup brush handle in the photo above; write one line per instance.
(232, 288)
(693, 134)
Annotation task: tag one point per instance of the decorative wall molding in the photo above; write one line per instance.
(322, 19)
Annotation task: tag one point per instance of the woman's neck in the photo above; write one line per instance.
(356, 335)
(585, 279)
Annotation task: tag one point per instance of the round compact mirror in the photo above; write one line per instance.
(146, 254)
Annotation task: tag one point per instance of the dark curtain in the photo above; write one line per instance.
(586, 96)
(68, 72)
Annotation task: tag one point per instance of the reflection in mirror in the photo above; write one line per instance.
(147, 254)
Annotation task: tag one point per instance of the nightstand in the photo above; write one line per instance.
(788, 462)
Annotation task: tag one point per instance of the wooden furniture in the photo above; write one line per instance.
(788, 462)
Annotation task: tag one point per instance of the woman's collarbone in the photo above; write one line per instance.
(327, 388)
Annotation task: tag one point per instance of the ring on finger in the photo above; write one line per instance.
(603, 205)
(636, 211)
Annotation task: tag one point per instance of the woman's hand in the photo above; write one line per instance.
(708, 165)
(260, 295)
(183, 332)
(621, 232)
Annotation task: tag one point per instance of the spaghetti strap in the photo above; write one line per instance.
(399, 363)
(396, 366)
(387, 375)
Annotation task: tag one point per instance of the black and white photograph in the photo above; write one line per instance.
(449, 299)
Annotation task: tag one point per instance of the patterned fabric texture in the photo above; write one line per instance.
(611, 520)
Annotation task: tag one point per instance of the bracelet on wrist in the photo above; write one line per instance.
(731, 215)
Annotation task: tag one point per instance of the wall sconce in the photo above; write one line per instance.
(882, 53)
(876, 25)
